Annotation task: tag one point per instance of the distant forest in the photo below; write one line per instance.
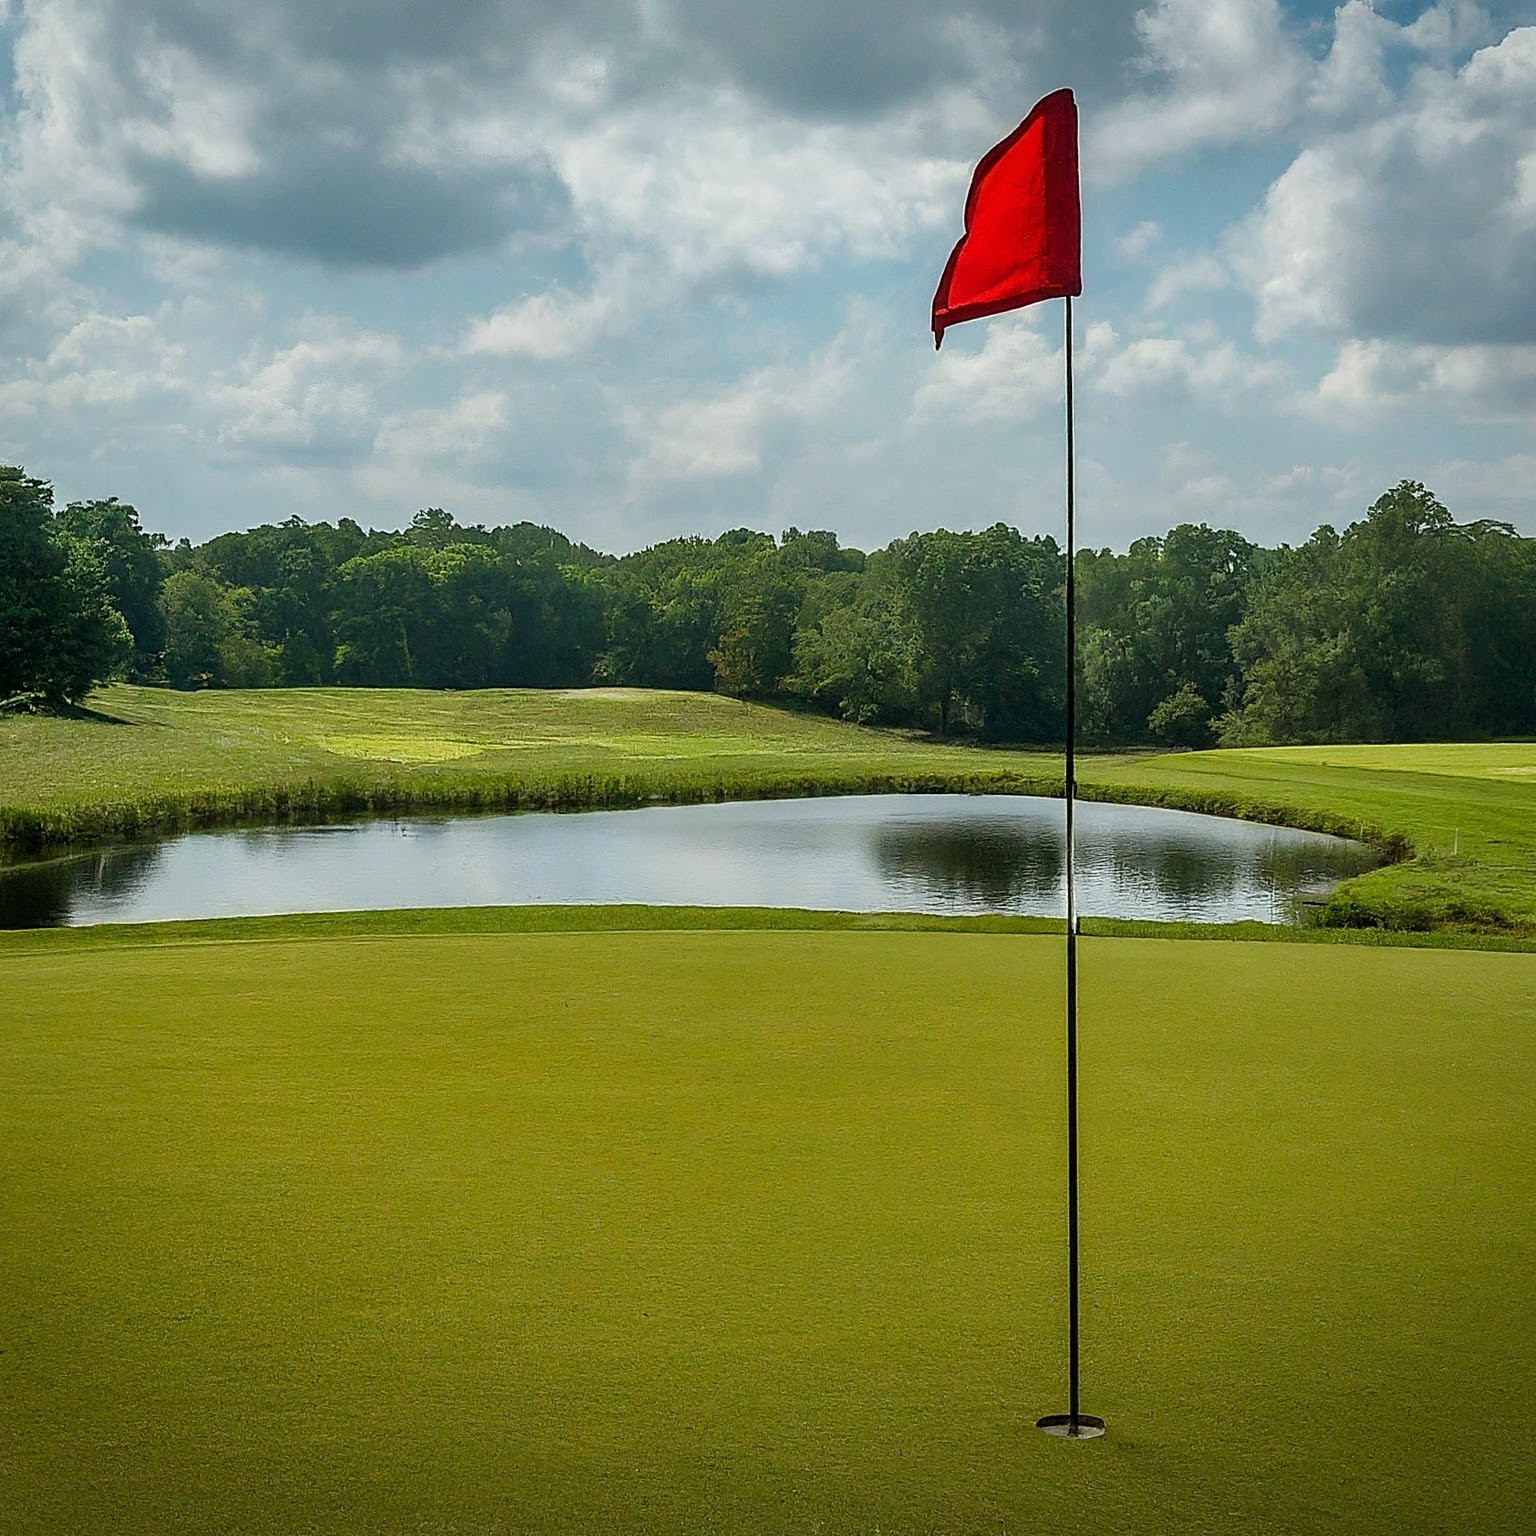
(1406, 626)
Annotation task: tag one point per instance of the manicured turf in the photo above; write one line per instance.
(741, 1231)
(1467, 812)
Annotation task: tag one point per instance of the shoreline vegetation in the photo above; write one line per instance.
(1455, 823)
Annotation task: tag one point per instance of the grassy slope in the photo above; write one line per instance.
(1469, 812)
(178, 759)
(619, 1231)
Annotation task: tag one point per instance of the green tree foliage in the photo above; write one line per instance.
(1393, 631)
(758, 613)
(289, 570)
(133, 573)
(1407, 625)
(60, 634)
(212, 635)
(985, 611)
(1155, 656)
(859, 658)
(664, 613)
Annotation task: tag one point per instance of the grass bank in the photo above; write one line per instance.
(349, 1230)
(150, 760)
(1460, 816)
(1459, 821)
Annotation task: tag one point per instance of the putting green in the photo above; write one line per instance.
(759, 1231)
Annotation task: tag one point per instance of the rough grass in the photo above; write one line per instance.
(1466, 813)
(380, 1231)
(152, 760)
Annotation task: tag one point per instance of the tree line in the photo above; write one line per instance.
(1405, 626)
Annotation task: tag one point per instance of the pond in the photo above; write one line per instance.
(864, 853)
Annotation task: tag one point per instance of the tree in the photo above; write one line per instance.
(212, 639)
(60, 635)
(756, 648)
(1155, 646)
(133, 574)
(1377, 634)
(985, 609)
(379, 601)
(860, 659)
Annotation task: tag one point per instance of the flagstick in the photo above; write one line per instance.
(1073, 1423)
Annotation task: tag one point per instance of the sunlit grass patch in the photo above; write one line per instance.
(1480, 759)
(406, 749)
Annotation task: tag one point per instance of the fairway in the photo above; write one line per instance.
(729, 1231)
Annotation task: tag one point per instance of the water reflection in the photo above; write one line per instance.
(1132, 861)
(916, 853)
(993, 867)
(47, 895)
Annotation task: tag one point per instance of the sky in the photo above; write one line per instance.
(644, 268)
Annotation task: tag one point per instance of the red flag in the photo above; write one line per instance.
(1023, 238)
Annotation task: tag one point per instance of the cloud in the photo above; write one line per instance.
(314, 400)
(282, 127)
(725, 434)
(1477, 382)
(1015, 375)
(1229, 74)
(1191, 274)
(1140, 241)
(392, 136)
(351, 209)
(1497, 488)
(1416, 226)
(469, 428)
(102, 362)
(545, 325)
(865, 58)
(1160, 365)
(715, 187)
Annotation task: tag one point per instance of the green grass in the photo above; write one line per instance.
(164, 760)
(1466, 812)
(352, 1226)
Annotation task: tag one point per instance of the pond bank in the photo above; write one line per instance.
(1461, 846)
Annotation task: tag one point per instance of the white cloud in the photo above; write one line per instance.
(1451, 28)
(1230, 75)
(1351, 81)
(1419, 225)
(544, 325)
(103, 361)
(468, 429)
(1141, 240)
(726, 433)
(1158, 365)
(1497, 487)
(1015, 375)
(715, 186)
(202, 121)
(317, 395)
(1475, 381)
(1199, 273)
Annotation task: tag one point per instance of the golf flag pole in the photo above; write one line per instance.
(1022, 244)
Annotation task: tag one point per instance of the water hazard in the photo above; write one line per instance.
(942, 854)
